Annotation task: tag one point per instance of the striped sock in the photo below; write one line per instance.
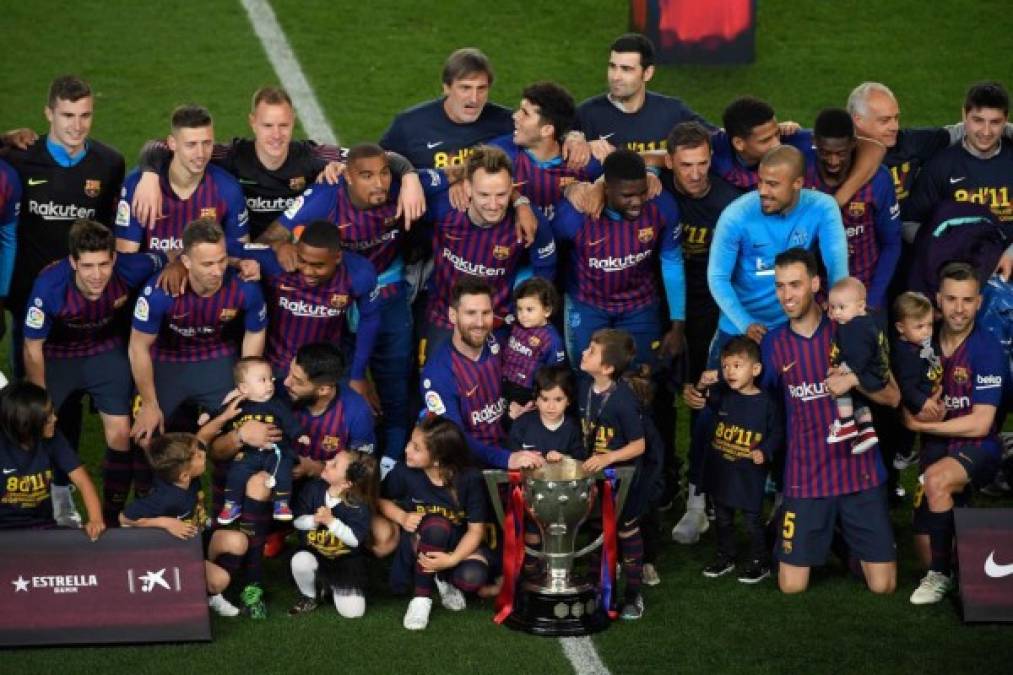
(434, 535)
(117, 471)
(141, 470)
(631, 550)
(255, 523)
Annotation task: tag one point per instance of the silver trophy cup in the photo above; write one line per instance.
(558, 498)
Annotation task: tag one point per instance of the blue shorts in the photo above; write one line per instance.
(981, 466)
(105, 377)
(807, 528)
(204, 383)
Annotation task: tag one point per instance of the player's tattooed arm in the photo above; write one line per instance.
(576, 150)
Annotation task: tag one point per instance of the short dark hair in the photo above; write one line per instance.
(464, 62)
(989, 94)
(537, 287)
(364, 151)
(270, 95)
(617, 349)
(24, 411)
(170, 453)
(745, 114)
(959, 271)
(321, 234)
(834, 123)
(89, 236)
(190, 116)
(555, 106)
(468, 284)
(623, 165)
(740, 345)
(797, 254)
(447, 446)
(490, 159)
(688, 135)
(67, 88)
(550, 377)
(202, 231)
(635, 42)
(323, 363)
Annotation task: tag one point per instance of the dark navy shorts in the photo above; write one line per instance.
(205, 383)
(105, 377)
(981, 466)
(807, 528)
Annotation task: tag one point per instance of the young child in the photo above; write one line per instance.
(533, 341)
(176, 504)
(614, 435)
(548, 429)
(333, 514)
(439, 503)
(915, 362)
(859, 347)
(255, 382)
(749, 429)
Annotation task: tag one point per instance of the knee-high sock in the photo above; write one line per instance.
(631, 549)
(940, 526)
(255, 523)
(434, 536)
(117, 472)
(140, 469)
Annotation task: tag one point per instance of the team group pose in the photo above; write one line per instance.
(347, 337)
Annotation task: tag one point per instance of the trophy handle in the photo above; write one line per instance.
(493, 479)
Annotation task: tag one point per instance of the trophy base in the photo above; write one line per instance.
(557, 614)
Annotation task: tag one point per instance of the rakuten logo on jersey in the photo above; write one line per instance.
(517, 346)
(366, 244)
(262, 205)
(808, 391)
(468, 267)
(490, 413)
(305, 309)
(54, 211)
(617, 264)
(855, 231)
(165, 244)
(956, 402)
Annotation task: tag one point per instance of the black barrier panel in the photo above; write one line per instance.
(985, 551)
(132, 585)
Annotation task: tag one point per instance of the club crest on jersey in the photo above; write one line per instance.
(645, 234)
(960, 375)
(500, 252)
(228, 314)
(209, 212)
(856, 209)
(330, 443)
(92, 188)
(339, 301)
(297, 184)
(534, 341)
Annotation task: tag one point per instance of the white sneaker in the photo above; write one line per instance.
(64, 511)
(451, 596)
(417, 616)
(689, 528)
(933, 588)
(650, 575)
(222, 606)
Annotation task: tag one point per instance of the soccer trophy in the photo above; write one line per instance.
(558, 497)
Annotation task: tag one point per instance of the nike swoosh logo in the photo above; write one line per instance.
(36, 181)
(473, 390)
(759, 245)
(596, 242)
(344, 226)
(247, 181)
(606, 136)
(526, 445)
(7, 471)
(433, 145)
(785, 368)
(992, 568)
(180, 316)
(287, 289)
(954, 181)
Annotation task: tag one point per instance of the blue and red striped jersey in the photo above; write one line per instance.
(543, 182)
(726, 163)
(469, 393)
(191, 328)
(299, 313)
(74, 326)
(218, 196)
(974, 374)
(613, 260)
(872, 225)
(795, 367)
(346, 424)
(528, 349)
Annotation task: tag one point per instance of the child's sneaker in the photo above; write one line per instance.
(866, 439)
(303, 606)
(253, 601)
(451, 596)
(901, 462)
(282, 510)
(842, 431)
(221, 606)
(417, 616)
(754, 572)
(650, 575)
(230, 511)
(633, 609)
(720, 567)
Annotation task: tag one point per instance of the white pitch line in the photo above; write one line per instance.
(583, 656)
(286, 65)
